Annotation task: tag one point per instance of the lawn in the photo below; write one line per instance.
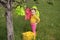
(47, 29)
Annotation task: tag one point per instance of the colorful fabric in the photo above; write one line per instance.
(27, 14)
(37, 13)
(20, 11)
(33, 26)
(34, 19)
(28, 35)
(34, 7)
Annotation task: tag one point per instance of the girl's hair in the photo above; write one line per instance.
(33, 9)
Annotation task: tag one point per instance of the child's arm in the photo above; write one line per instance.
(38, 19)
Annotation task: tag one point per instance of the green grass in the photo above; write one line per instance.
(3, 31)
(47, 29)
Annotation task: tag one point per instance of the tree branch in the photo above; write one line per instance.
(3, 2)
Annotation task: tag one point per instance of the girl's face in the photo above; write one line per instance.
(33, 11)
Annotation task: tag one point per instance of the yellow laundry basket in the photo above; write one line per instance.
(28, 35)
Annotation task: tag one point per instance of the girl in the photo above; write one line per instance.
(34, 21)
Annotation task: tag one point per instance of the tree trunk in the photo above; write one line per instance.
(10, 33)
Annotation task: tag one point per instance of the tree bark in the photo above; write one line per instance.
(10, 33)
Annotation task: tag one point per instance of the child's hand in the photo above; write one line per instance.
(36, 23)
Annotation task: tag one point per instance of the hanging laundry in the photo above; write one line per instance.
(20, 11)
(27, 13)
